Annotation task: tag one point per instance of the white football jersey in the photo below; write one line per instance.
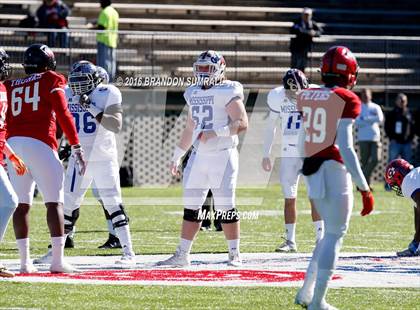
(411, 183)
(97, 142)
(291, 120)
(208, 110)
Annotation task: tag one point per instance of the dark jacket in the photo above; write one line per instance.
(399, 125)
(303, 40)
(53, 16)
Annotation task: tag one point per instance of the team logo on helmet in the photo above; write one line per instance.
(295, 80)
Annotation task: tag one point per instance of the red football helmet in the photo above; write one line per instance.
(339, 66)
(395, 173)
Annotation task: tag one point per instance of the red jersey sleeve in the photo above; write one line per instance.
(353, 104)
(59, 105)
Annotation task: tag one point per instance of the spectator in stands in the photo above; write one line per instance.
(399, 127)
(368, 134)
(53, 14)
(305, 30)
(107, 41)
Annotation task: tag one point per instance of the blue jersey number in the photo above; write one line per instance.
(89, 125)
(203, 116)
(294, 121)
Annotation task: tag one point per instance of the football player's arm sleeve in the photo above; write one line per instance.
(64, 117)
(345, 143)
(111, 118)
(270, 133)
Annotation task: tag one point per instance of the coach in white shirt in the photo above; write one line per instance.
(368, 134)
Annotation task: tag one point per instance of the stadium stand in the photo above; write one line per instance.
(253, 39)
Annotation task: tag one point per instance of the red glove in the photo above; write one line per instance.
(18, 164)
(368, 202)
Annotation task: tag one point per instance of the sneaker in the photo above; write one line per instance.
(126, 260)
(28, 268)
(205, 228)
(408, 253)
(323, 306)
(234, 259)
(303, 298)
(46, 259)
(112, 243)
(4, 273)
(179, 259)
(63, 268)
(287, 247)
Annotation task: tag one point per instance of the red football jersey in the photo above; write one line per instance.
(3, 110)
(322, 108)
(36, 102)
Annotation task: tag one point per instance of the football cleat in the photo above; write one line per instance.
(126, 260)
(28, 268)
(234, 259)
(63, 268)
(179, 259)
(46, 259)
(205, 228)
(4, 273)
(112, 243)
(287, 247)
(323, 306)
(303, 298)
(412, 250)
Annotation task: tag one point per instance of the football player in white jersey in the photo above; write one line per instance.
(216, 115)
(97, 113)
(402, 177)
(282, 104)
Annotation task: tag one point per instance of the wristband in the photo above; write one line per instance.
(94, 110)
(223, 131)
(178, 154)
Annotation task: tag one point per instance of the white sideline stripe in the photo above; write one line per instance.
(372, 269)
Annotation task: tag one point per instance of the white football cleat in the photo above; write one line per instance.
(4, 273)
(323, 306)
(303, 298)
(179, 259)
(44, 260)
(234, 259)
(63, 268)
(126, 260)
(287, 247)
(28, 268)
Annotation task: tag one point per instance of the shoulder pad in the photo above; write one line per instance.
(275, 99)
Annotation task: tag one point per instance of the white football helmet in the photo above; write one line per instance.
(209, 67)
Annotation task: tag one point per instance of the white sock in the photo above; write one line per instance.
(233, 245)
(23, 247)
(111, 229)
(319, 229)
(123, 233)
(322, 279)
(185, 245)
(57, 250)
(290, 232)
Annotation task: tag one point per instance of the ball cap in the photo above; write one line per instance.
(307, 11)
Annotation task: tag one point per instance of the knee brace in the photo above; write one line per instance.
(70, 221)
(193, 215)
(119, 218)
(227, 217)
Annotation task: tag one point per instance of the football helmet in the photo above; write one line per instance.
(38, 58)
(83, 78)
(395, 173)
(5, 69)
(209, 67)
(295, 80)
(103, 75)
(339, 67)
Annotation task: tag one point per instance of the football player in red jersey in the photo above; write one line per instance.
(36, 103)
(330, 164)
(8, 196)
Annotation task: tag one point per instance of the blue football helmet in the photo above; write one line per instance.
(295, 80)
(103, 75)
(83, 78)
(209, 66)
